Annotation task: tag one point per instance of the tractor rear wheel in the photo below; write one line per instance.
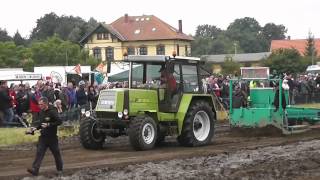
(90, 138)
(198, 126)
(142, 133)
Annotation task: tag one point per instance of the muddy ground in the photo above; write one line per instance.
(228, 157)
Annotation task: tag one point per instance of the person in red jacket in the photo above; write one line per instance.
(13, 95)
(34, 106)
(168, 81)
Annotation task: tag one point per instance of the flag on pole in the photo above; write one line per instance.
(77, 69)
(101, 68)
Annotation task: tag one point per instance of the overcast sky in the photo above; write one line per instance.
(298, 16)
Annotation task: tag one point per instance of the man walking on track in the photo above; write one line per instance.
(47, 124)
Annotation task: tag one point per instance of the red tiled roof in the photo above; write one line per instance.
(299, 44)
(146, 27)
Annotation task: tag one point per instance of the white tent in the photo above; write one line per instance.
(313, 69)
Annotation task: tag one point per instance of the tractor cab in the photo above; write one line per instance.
(169, 76)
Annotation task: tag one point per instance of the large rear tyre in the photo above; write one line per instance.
(142, 133)
(198, 126)
(90, 138)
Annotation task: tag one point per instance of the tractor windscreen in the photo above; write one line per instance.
(146, 75)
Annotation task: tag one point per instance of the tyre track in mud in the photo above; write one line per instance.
(118, 153)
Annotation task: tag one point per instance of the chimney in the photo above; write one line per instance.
(126, 18)
(180, 26)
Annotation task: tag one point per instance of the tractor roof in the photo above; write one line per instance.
(160, 58)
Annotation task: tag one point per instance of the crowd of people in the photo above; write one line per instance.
(18, 99)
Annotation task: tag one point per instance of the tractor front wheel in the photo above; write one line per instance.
(142, 133)
(90, 138)
(198, 126)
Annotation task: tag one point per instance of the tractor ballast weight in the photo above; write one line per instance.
(147, 112)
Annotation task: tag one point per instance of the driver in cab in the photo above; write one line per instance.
(168, 81)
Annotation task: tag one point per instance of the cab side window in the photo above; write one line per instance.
(190, 78)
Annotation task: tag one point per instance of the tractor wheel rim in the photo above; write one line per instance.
(148, 133)
(95, 135)
(201, 125)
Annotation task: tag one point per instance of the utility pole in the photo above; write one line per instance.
(235, 48)
(312, 55)
(67, 58)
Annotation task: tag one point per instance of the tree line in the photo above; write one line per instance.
(54, 41)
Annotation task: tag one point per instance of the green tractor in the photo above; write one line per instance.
(164, 97)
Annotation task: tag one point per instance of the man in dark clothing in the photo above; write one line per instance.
(5, 102)
(82, 98)
(49, 93)
(22, 100)
(276, 99)
(48, 124)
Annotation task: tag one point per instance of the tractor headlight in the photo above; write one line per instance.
(120, 114)
(83, 111)
(125, 112)
(87, 113)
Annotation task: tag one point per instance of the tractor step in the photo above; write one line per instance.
(297, 129)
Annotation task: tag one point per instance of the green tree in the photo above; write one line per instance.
(55, 51)
(4, 35)
(8, 55)
(208, 31)
(229, 66)
(200, 46)
(310, 50)
(18, 40)
(67, 27)
(286, 61)
(271, 31)
(247, 31)
(46, 26)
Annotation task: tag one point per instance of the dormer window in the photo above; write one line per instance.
(102, 36)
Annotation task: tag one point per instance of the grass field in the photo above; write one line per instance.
(14, 136)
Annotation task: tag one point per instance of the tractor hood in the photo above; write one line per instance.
(134, 100)
(111, 100)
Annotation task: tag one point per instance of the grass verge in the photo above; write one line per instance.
(15, 136)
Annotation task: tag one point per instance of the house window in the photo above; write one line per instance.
(143, 50)
(106, 36)
(99, 36)
(110, 53)
(97, 53)
(160, 50)
(131, 51)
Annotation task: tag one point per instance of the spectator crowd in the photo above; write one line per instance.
(17, 99)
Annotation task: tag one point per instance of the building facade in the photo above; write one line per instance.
(245, 60)
(136, 35)
(298, 44)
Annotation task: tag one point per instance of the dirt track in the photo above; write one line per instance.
(117, 155)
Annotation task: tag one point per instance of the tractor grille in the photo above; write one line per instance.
(107, 100)
(107, 115)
